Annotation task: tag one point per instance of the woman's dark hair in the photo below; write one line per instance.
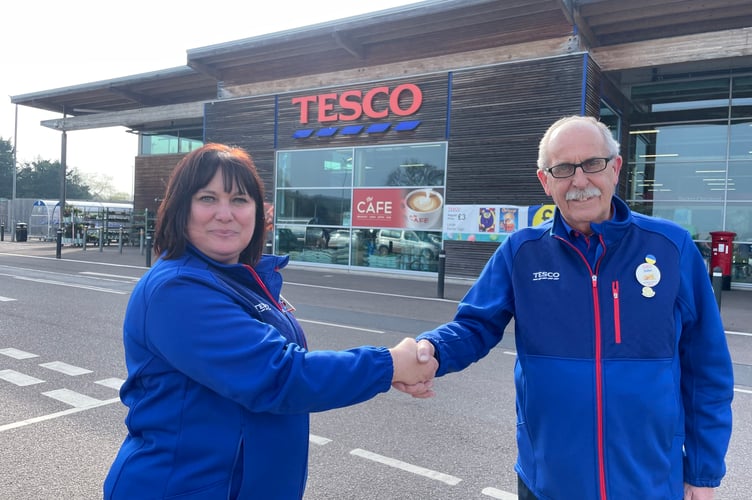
(195, 171)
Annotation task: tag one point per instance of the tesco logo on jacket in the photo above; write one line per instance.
(376, 103)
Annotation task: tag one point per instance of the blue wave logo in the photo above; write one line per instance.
(350, 130)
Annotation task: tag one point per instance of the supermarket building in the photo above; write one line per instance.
(386, 137)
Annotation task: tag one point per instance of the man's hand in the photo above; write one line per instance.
(414, 369)
(424, 356)
(697, 492)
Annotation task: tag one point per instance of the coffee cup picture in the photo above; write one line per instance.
(423, 209)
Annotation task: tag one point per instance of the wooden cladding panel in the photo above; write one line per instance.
(593, 86)
(249, 124)
(498, 116)
(432, 116)
(465, 259)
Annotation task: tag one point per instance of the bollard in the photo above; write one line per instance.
(141, 241)
(442, 267)
(85, 236)
(101, 238)
(2, 232)
(59, 244)
(717, 281)
(148, 251)
(120, 239)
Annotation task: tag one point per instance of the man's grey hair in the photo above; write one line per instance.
(611, 143)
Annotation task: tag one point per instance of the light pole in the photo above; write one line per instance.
(61, 228)
(13, 195)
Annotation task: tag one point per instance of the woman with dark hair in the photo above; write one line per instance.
(220, 383)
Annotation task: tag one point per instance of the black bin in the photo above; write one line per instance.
(22, 231)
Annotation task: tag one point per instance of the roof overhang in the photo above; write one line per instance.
(433, 35)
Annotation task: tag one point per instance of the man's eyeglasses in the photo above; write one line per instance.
(589, 166)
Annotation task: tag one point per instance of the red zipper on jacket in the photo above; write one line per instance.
(263, 287)
(599, 389)
(598, 362)
(617, 313)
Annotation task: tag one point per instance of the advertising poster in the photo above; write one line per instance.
(491, 223)
(420, 209)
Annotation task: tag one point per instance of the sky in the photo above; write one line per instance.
(49, 44)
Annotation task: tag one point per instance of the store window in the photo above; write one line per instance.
(163, 144)
(378, 206)
(690, 159)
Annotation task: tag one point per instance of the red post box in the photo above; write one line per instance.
(722, 246)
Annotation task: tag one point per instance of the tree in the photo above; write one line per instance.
(102, 189)
(41, 179)
(6, 168)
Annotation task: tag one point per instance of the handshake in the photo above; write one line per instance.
(414, 367)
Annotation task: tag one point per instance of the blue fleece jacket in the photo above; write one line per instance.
(623, 376)
(220, 385)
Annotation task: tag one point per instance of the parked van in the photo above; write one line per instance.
(407, 242)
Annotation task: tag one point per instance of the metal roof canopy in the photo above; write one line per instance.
(616, 32)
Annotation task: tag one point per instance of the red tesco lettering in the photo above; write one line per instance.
(351, 105)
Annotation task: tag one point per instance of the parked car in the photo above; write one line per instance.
(406, 242)
(287, 241)
(341, 238)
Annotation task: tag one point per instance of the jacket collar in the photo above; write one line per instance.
(612, 230)
(267, 268)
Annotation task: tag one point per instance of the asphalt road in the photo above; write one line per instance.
(61, 362)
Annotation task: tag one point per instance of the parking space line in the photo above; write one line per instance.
(117, 277)
(500, 494)
(112, 383)
(51, 416)
(17, 353)
(338, 325)
(19, 378)
(72, 285)
(318, 439)
(398, 464)
(65, 368)
(72, 398)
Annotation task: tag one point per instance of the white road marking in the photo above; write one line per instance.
(73, 398)
(104, 275)
(318, 439)
(19, 378)
(337, 325)
(745, 391)
(391, 462)
(500, 494)
(17, 353)
(65, 368)
(368, 292)
(109, 264)
(112, 383)
(51, 416)
(743, 334)
(6, 299)
(72, 285)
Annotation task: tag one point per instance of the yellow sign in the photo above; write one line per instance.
(544, 213)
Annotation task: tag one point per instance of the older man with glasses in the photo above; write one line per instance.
(623, 376)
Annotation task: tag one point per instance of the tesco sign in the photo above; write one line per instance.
(350, 105)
